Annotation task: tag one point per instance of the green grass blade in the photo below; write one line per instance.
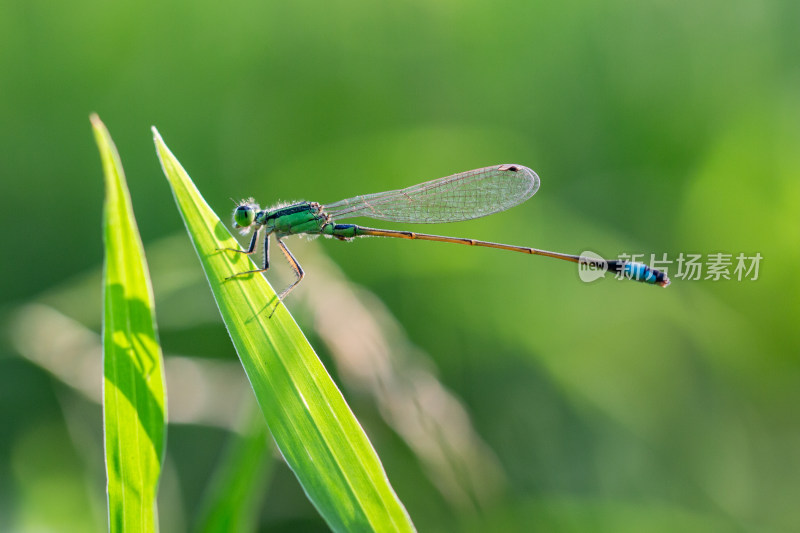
(239, 482)
(134, 411)
(312, 425)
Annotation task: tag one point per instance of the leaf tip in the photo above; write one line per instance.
(98, 125)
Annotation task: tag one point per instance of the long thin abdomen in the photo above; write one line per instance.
(360, 230)
(630, 270)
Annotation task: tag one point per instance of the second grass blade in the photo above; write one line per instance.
(134, 410)
(312, 425)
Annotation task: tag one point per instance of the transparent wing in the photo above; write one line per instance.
(463, 196)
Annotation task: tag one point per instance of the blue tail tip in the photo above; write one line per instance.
(640, 272)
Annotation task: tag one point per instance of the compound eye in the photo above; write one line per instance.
(243, 216)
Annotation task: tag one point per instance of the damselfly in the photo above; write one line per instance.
(464, 196)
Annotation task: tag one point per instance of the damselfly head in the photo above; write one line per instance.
(245, 214)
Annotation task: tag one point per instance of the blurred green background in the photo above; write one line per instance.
(656, 127)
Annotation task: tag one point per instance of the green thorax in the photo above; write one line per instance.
(303, 217)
